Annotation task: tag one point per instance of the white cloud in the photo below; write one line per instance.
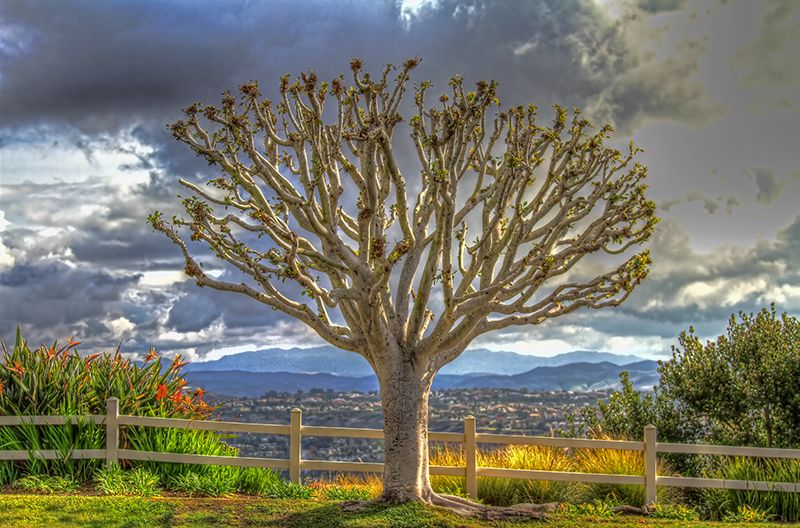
(719, 292)
(6, 258)
(214, 332)
(120, 327)
(161, 279)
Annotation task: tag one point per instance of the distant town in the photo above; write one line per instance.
(496, 410)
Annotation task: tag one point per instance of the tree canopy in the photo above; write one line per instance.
(739, 389)
(327, 219)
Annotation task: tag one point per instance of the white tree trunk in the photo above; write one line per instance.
(404, 395)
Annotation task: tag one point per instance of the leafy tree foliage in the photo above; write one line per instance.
(741, 388)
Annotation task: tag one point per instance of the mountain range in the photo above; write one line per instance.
(251, 374)
(331, 360)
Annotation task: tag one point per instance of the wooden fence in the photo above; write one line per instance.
(295, 430)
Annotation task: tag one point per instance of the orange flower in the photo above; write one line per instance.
(71, 343)
(1, 388)
(177, 363)
(151, 355)
(199, 393)
(92, 357)
(161, 392)
(19, 369)
(177, 396)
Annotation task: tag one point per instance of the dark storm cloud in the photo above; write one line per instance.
(659, 6)
(102, 66)
(105, 66)
(106, 228)
(768, 184)
(199, 307)
(51, 299)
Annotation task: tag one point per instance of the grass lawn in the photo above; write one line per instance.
(54, 511)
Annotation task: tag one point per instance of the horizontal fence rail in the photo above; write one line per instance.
(295, 430)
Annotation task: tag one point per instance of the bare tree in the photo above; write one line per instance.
(392, 273)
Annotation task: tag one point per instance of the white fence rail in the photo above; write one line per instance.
(295, 430)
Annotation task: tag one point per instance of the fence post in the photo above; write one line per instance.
(471, 454)
(650, 461)
(294, 445)
(112, 431)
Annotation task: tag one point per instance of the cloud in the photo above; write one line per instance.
(156, 58)
(770, 59)
(660, 6)
(53, 299)
(768, 185)
(711, 205)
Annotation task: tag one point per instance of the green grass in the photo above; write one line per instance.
(52, 511)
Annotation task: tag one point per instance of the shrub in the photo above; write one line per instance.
(339, 493)
(258, 481)
(679, 512)
(747, 514)
(199, 484)
(116, 481)
(720, 504)
(596, 508)
(46, 484)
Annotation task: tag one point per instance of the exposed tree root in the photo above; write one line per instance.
(631, 510)
(467, 508)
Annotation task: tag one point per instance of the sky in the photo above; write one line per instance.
(709, 88)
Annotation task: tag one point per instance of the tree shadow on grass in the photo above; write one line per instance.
(410, 515)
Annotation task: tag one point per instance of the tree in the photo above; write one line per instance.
(742, 387)
(314, 209)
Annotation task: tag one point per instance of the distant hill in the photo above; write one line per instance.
(580, 376)
(331, 360)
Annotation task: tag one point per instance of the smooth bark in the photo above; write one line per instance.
(404, 396)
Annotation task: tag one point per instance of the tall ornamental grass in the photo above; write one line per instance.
(506, 491)
(503, 491)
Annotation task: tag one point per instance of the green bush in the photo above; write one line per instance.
(202, 484)
(720, 504)
(116, 481)
(46, 484)
(619, 462)
(596, 508)
(747, 514)
(679, 512)
(258, 481)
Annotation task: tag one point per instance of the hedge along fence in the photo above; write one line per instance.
(295, 430)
